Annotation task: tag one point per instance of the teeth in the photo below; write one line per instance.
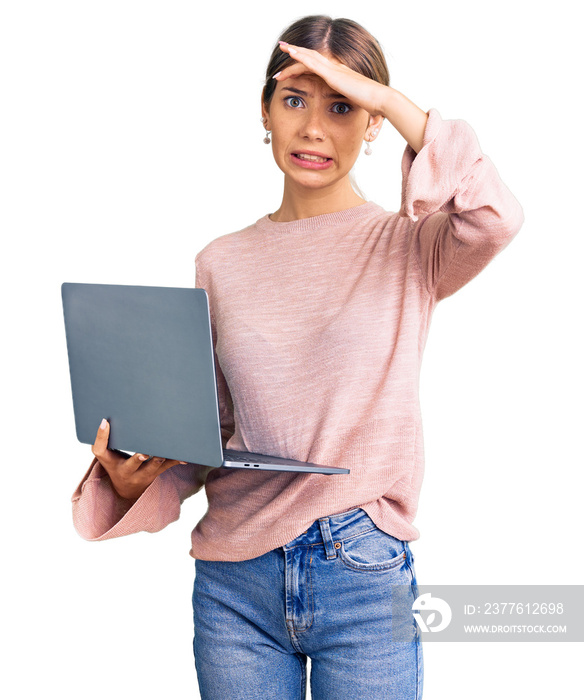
(316, 159)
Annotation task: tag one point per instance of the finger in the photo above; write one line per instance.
(133, 463)
(292, 72)
(307, 61)
(152, 464)
(110, 457)
(309, 56)
(157, 465)
(299, 54)
(101, 439)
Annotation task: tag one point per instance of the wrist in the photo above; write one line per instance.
(406, 117)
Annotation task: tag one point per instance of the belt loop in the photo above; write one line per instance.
(327, 538)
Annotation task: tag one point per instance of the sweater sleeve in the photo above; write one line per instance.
(99, 513)
(461, 213)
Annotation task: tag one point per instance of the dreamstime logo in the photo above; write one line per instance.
(432, 605)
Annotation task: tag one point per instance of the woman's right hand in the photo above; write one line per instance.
(130, 476)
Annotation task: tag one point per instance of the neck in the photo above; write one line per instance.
(302, 203)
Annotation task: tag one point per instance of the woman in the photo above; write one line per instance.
(320, 313)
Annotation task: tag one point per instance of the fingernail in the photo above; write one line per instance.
(142, 458)
(183, 462)
(283, 42)
(291, 50)
(103, 424)
(276, 75)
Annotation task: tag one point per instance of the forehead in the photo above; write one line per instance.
(310, 84)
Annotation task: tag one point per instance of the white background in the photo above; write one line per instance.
(130, 138)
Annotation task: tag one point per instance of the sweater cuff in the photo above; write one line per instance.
(432, 177)
(99, 513)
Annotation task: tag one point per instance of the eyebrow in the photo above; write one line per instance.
(302, 93)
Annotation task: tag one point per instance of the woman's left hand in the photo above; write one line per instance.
(364, 92)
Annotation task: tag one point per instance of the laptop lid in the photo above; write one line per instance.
(137, 359)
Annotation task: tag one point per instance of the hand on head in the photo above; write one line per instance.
(364, 92)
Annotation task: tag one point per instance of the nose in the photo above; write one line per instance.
(313, 128)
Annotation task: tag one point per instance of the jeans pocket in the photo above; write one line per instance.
(373, 550)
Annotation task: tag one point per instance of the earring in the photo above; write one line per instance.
(368, 150)
(267, 136)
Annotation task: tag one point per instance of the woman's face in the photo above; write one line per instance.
(316, 134)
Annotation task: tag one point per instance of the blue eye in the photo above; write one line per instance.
(293, 101)
(341, 108)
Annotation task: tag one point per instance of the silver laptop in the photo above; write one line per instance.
(142, 357)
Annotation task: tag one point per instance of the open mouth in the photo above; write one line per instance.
(312, 161)
(311, 158)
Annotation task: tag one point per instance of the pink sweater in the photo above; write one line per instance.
(320, 325)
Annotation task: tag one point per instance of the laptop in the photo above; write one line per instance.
(142, 357)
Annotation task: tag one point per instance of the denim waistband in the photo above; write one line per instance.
(331, 528)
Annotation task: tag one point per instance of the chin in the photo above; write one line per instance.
(315, 184)
(313, 180)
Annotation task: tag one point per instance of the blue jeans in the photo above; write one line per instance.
(326, 594)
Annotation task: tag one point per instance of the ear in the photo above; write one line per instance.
(265, 114)
(373, 127)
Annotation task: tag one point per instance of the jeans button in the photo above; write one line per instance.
(337, 545)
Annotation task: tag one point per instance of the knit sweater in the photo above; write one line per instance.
(319, 327)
